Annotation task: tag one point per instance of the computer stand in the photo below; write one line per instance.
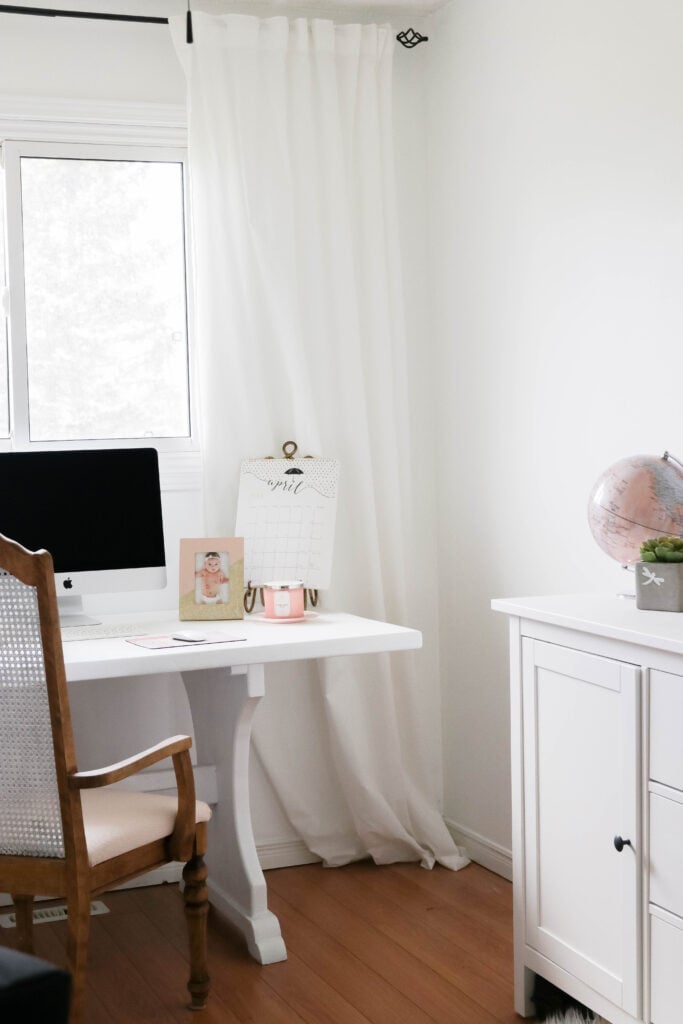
(71, 612)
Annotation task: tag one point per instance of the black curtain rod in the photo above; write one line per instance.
(409, 38)
(48, 12)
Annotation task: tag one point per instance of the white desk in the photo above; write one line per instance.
(224, 683)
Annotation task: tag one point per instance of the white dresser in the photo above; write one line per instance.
(597, 793)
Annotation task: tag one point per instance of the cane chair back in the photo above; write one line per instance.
(30, 813)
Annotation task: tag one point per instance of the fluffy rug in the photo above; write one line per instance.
(572, 1017)
(553, 1006)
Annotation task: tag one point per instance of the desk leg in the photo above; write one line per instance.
(222, 706)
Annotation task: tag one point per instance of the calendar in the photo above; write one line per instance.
(286, 511)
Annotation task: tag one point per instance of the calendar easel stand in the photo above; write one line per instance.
(310, 597)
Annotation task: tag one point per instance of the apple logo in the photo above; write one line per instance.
(67, 584)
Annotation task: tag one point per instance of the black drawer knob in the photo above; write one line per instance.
(620, 843)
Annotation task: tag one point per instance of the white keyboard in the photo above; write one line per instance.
(102, 631)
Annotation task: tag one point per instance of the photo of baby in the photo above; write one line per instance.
(211, 577)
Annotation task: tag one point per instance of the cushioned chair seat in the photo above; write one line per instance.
(116, 821)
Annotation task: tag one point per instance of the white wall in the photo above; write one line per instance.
(557, 215)
(76, 59)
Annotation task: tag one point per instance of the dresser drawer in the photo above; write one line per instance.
(666, 851)
(666, 977)
(666, 726)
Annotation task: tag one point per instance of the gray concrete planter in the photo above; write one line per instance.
(659, 586)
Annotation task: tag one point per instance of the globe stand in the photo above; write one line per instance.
(668, 455)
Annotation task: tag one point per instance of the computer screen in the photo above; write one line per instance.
(97, 512)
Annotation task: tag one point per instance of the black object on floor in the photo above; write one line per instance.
(550, 1001)
(32, 991)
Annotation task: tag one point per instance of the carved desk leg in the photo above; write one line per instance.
(222, 706)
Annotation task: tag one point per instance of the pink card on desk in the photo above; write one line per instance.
(156, 642)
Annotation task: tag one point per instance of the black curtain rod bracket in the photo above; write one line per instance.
(410, 37)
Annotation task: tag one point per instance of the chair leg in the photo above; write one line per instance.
(78, 915)
(196, 897)
(23, 906)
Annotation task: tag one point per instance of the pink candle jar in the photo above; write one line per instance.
(284, 599)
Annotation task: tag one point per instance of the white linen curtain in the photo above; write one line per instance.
(300, 331)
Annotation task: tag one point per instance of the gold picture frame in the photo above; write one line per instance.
(211, 576)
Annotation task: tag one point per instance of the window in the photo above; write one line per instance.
(97, 322)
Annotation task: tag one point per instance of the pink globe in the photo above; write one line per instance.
(635, 499)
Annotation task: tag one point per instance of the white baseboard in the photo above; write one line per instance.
(167, 873)
(284, 854)
(482, 850)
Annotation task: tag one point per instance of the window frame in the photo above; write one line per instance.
(112, 144)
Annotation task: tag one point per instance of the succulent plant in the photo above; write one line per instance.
(662, 549)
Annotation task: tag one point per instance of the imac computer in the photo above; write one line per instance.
(97, 512)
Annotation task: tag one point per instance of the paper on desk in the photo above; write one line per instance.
(155, 642)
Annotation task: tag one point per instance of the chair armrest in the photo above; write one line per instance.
(131, 766)
(178, 747)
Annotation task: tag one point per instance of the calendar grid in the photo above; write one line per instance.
(286, 513)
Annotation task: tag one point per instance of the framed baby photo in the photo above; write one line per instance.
(211, 578)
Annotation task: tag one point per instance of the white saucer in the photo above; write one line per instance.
(262, 617)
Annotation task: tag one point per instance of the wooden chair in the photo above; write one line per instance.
(61, 834)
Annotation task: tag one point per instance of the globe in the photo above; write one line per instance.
(637, 498)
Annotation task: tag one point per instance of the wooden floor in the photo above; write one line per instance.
(366, 944)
